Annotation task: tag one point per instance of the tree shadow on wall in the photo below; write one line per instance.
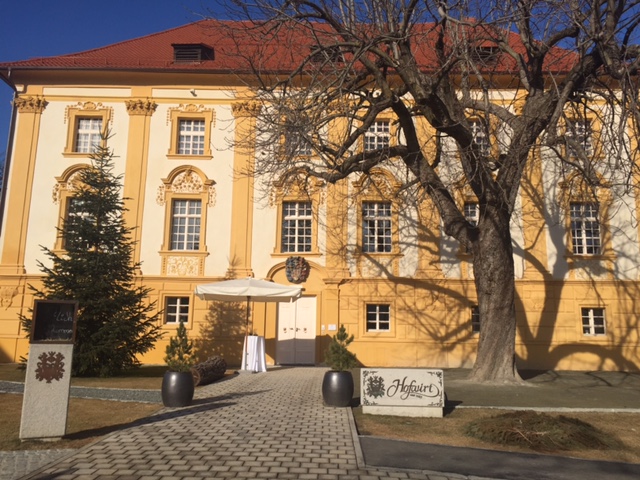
(222, 332)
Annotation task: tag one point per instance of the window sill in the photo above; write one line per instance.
(295, 254)
(185, 253)
(380, 254)
(175, 156)
(86, 155)
(583, 257)
(372, 334)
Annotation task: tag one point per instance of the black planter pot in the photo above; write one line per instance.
(337, 388)
(177, 389)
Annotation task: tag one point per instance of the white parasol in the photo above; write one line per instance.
(249, 289)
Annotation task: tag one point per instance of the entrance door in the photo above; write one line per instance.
(297, 332)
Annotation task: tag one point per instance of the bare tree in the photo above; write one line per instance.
(476, 92)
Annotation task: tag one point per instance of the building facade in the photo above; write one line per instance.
(176, 108)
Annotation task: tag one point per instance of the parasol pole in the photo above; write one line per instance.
(248, 309)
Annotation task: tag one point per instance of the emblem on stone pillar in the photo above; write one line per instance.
(50, 366)
(297, 269)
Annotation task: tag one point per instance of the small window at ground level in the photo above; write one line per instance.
(475, 319)
(593, 322)
(378, 318)
(176, 310)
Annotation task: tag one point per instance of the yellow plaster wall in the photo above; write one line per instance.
(430, 313)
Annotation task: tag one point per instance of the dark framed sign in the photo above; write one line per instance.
(54, 321)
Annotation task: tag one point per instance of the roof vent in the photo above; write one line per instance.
(191, 52)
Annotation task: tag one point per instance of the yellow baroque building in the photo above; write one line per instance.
(175, 107)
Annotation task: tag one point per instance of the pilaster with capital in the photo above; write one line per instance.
(23, 159)
(30, 104)
(141, 106)
(140, 111)
(245, 114)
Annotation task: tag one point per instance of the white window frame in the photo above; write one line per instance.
(585, 228)
(88, 134)
(475, 319)
(472, 213)
(375, 315)
(297, 227)
(480, 135)
(594, 321)
(191, 136)
(581, 132)
(186, 224)
(377, 136)
(177, 308)
(377, 223)
(76, 216)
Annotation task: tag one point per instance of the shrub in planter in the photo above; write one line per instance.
(177, 383)
(337, 384)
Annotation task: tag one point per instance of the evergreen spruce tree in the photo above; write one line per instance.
(115, 322)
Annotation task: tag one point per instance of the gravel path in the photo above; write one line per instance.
(117, 394)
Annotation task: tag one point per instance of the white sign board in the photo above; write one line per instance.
(406, 392)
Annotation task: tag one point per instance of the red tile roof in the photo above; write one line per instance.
(233, 44)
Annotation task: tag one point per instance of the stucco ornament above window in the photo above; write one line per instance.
(187, 181)
(71, 184)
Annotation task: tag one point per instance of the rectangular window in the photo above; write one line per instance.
(185, 224)
(302, 146)
(297, 218)
(593, 321)
(176, 310)
(475, 319)
(73, 228)
(376, 227)
(88, 134)
(480, 135)
(377, 136)
(580, 132)
(472, 213)
(585, 228)
(378, 318)
(191, 137)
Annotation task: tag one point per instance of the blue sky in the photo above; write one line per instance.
(42, 28)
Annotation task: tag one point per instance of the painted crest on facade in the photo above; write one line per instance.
(50, 366)
(297, 269)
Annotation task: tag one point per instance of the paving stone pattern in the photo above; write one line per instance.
(267, 425)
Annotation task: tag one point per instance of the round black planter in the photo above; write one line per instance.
(177, 389)
(337, 388)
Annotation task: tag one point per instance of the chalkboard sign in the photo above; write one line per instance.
(54, 321)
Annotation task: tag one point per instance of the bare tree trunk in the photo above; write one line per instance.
(495, 284)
